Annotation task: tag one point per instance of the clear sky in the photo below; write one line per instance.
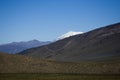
(45, 20)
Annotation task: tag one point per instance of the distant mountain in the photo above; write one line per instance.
(16, 47)
(68, 34)
(94, 52)
(102, 44)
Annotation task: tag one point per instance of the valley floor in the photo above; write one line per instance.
(48, 76)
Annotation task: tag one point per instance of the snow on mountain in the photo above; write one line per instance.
(68, 34)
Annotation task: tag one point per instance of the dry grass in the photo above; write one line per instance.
(32, 76)
(22, 64)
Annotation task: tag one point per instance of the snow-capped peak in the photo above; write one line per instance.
(68, 34)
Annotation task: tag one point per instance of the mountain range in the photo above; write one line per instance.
(16, 47)
(96, 45)
(93, 52)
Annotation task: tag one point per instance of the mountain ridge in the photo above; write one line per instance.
(94, 52)
(16, 47)
(93, 45)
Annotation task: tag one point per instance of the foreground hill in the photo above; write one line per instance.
(10, 63)
(16, 47)
(102, 44)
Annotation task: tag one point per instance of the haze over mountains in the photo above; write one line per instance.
(16, 47)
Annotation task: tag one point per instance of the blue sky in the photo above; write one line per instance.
(45, 20)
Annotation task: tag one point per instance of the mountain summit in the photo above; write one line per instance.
(16, 47)
(94, 52)
(68, 34)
